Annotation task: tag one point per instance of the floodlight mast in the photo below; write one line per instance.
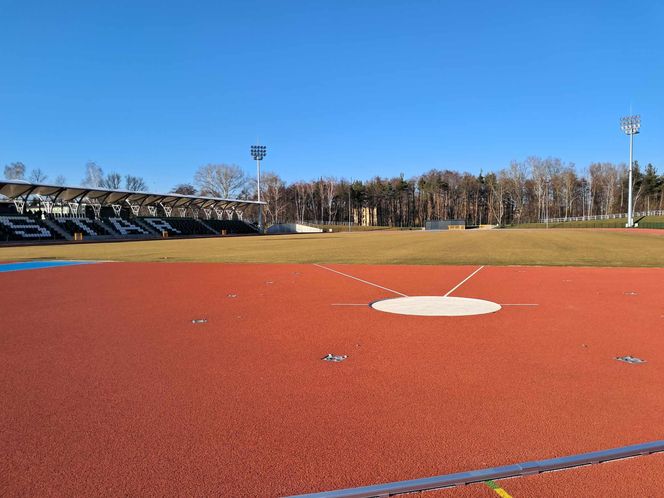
(630, 125)
(350, 189)
(258, 152)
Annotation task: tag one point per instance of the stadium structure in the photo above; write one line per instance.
(34, 212)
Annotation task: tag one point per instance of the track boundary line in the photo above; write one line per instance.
(360, 280)
(490, 474)
(463, 281)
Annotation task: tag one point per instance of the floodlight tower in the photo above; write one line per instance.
(350, 189)
(630, 125)
(258, 152)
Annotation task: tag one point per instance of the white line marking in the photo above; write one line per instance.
(359, 279)
(346, 304)
(463, 281)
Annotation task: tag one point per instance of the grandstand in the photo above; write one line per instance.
(33, 212)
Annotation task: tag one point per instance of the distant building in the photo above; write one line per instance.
(445, 225)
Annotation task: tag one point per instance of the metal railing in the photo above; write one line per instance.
(475, 476)
(598, 217)
(318, 222)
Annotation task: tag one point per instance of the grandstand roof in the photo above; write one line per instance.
(18, 189)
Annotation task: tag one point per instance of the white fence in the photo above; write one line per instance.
(602, 217)
(319, 222)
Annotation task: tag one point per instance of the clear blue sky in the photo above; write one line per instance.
(344, 88)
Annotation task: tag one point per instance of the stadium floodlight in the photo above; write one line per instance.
(258, 152)
(350, 189)
(630, 125)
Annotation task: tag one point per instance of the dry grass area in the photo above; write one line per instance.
(494, 247)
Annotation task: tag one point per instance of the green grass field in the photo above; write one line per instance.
(494, 247)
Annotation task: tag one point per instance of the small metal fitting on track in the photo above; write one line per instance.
(630, 359)
(334, 358)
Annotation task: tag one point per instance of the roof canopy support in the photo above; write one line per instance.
(21, 192)
(19, 204)
(167, 209)
(73, 207)
(96, 207)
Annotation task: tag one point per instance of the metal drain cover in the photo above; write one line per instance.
(630, 359)
(334, 357)
(199, 320)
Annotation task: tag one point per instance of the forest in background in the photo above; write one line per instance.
(526, 191)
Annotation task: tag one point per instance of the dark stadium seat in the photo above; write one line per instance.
(30, 227)
(125, 227)
(88, 227)
(24, 227)
(231, 226)
(177, 226)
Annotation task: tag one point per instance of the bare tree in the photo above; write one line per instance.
(112, 181)
(515, 180)
(300, 198)
(38, 176)
(273, 190)
(541, 177)
(15, 171)
(610, 183)
(570, 188)
(220, 180)
(329, 188)
(184, 189)
(60, 180)
(135, 184)
(94, 175)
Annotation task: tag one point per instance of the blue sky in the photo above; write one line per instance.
(342, 88)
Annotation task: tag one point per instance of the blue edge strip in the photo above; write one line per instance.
(475, 476)
(38, 265)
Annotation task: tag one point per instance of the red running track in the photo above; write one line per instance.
(108, 388)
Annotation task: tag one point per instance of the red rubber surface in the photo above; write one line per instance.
(108, 388)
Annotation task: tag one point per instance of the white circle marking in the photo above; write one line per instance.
(436, 306)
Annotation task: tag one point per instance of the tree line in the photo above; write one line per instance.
(525, 191)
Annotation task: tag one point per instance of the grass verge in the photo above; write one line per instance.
(493, 247)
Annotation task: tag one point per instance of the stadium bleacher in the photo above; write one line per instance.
(232, 227)
(88, 227)
(40, 212)
(125, 227)
(31, 227)
(178, 226)
(25, 228)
